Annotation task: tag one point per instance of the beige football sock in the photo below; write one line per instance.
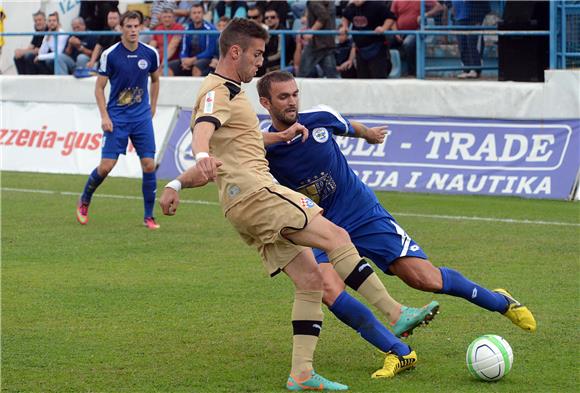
(359, 275)
(307, 323)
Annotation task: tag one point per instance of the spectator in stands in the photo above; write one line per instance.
(229, 8)
(345, 56)
(173, 40)
(182, 12)
(95, 13)
(255, 14)
(300, 44)
(145, 27)
(372, 51)
(298, 8)
(157, 7)
(24, 57)
(221, 25)
(197, 50)
(273, 51)
(78, 50)
(105, 41)
(470, 13)
(51, 44)
(281, 7)
(408, 13)
(208, 9)
(319, 49)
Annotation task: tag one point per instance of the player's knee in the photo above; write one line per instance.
(148, 166)
(104, 169)
(341, 236)
(311, 280)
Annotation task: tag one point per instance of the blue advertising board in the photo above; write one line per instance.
(531, 159)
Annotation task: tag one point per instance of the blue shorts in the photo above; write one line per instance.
(379, 238)
(141, 134)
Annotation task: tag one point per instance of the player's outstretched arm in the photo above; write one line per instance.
(191, 178)
(373, 135)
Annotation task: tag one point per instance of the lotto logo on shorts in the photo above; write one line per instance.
(306, 202)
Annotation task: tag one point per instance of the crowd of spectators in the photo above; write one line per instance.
(306, 55)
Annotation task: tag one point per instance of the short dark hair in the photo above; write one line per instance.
(265, 82)
(132, 15)
(55, 13)
(238, 32)
(196, 5)
(253, 7)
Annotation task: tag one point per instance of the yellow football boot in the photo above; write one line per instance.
(394, 364)
(517, 312)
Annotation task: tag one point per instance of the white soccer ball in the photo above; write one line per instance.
(489, 358)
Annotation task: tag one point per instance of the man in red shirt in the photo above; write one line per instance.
(167, 23)
(408, 13)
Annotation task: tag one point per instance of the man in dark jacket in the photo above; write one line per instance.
(372, 52)
(319, 49)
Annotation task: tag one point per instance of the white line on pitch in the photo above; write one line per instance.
(196, 202)
(201, 202)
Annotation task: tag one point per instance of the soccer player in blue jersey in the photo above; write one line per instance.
(128, 114)
(318, 169)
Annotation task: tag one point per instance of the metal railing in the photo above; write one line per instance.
(560, 10)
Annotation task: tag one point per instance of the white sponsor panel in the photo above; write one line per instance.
(64, 138)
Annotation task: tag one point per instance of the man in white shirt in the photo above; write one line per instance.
(51, 44)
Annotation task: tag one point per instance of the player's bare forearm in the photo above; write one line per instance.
(373, 135)
(100, 85)
(271, 137)
(154, 91)
(191, 178)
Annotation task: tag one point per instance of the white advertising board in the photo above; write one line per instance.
(64, 138)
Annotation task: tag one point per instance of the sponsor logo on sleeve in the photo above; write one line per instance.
(208, 102)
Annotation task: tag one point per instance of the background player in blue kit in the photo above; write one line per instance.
(128, 114)
(318, 169)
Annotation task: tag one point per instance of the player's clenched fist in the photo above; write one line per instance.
(169, 201)
(208, 167)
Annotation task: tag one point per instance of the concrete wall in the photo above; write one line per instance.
(557, 98)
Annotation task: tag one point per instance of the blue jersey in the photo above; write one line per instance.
(128, 73)
(318, 169)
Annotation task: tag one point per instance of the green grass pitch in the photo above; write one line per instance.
(113, 307)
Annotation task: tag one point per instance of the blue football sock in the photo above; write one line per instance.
(455, 284)
(356, 315)
(93, 182)
(149, 186)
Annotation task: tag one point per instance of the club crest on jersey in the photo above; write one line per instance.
(142, 64)
(208, 102)
(320, 134)
(306, 202)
